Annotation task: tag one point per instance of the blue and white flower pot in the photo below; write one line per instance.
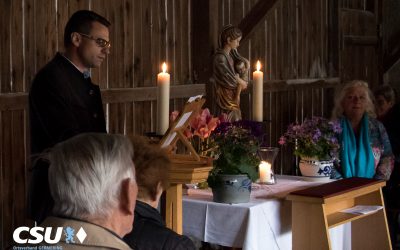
(310, 167)
(234, 189)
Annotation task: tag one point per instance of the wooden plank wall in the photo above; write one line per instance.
(143, 35)
(292, 43)
(361, 41)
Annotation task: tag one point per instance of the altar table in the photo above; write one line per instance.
(263, 223)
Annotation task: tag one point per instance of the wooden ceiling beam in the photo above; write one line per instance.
(393, 52)
(255, 15)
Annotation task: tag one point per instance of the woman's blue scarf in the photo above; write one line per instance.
(356, 155)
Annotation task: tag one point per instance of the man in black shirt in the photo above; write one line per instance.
(63, 101)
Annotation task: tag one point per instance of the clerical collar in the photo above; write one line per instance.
(86, 73)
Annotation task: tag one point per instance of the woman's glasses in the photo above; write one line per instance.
(99, 41)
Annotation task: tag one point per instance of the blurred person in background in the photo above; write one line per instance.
(389, 114)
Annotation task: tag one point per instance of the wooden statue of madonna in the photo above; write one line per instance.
(230, 73)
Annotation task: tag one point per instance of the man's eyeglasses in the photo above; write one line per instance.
(99, 41)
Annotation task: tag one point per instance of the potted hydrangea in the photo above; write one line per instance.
(316, 143)
(236, 161)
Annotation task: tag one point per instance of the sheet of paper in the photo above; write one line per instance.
(362, 209)
(169, 139)
(183, 119)
(191, 99)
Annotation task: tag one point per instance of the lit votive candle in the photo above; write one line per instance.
(265, 171)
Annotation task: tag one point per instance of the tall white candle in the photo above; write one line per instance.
(162, 100)
(258, 78)
(265, 171)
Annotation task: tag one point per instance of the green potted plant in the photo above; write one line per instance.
(236, 161)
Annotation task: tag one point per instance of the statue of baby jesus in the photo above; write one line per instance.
(242, 72)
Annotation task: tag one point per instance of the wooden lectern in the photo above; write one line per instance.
(185, 168)
(316, 209)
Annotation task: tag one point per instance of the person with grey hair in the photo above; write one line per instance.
(365, 148)
(92, 182)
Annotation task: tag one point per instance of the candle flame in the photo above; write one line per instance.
(164, 67)
(258, 65)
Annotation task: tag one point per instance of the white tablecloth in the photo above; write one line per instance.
(263, 223)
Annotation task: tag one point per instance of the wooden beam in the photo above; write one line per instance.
(120, 95)
(297, 84)
(393, 52)
(255, 15)
(18, 101)
(361, 40)
(14, 101)
(391, 59)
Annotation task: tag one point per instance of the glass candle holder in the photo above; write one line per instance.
(267, 156)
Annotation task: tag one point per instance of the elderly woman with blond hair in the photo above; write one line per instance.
(365, 148)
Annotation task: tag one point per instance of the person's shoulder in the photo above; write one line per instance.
(178, 242)
(49, 72)
(56, 62)
(219, 53)
(219, 57)
(396, 108)
(376, 125)
(375, 122)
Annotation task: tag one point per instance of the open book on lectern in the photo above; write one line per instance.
(176, 131)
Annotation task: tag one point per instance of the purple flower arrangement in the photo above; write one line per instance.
(315, 138)
(254, 128)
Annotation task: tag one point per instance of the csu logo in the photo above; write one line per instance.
(38, 234)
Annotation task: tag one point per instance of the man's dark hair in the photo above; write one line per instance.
(81, 21)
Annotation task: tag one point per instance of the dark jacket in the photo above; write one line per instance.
(62, 104)
(392, 123)
(150, 233)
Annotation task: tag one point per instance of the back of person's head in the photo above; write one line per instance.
(341, 94)
(86, 173)
(152, 167)
(387, 92)
(81, 21)
(228, 31)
